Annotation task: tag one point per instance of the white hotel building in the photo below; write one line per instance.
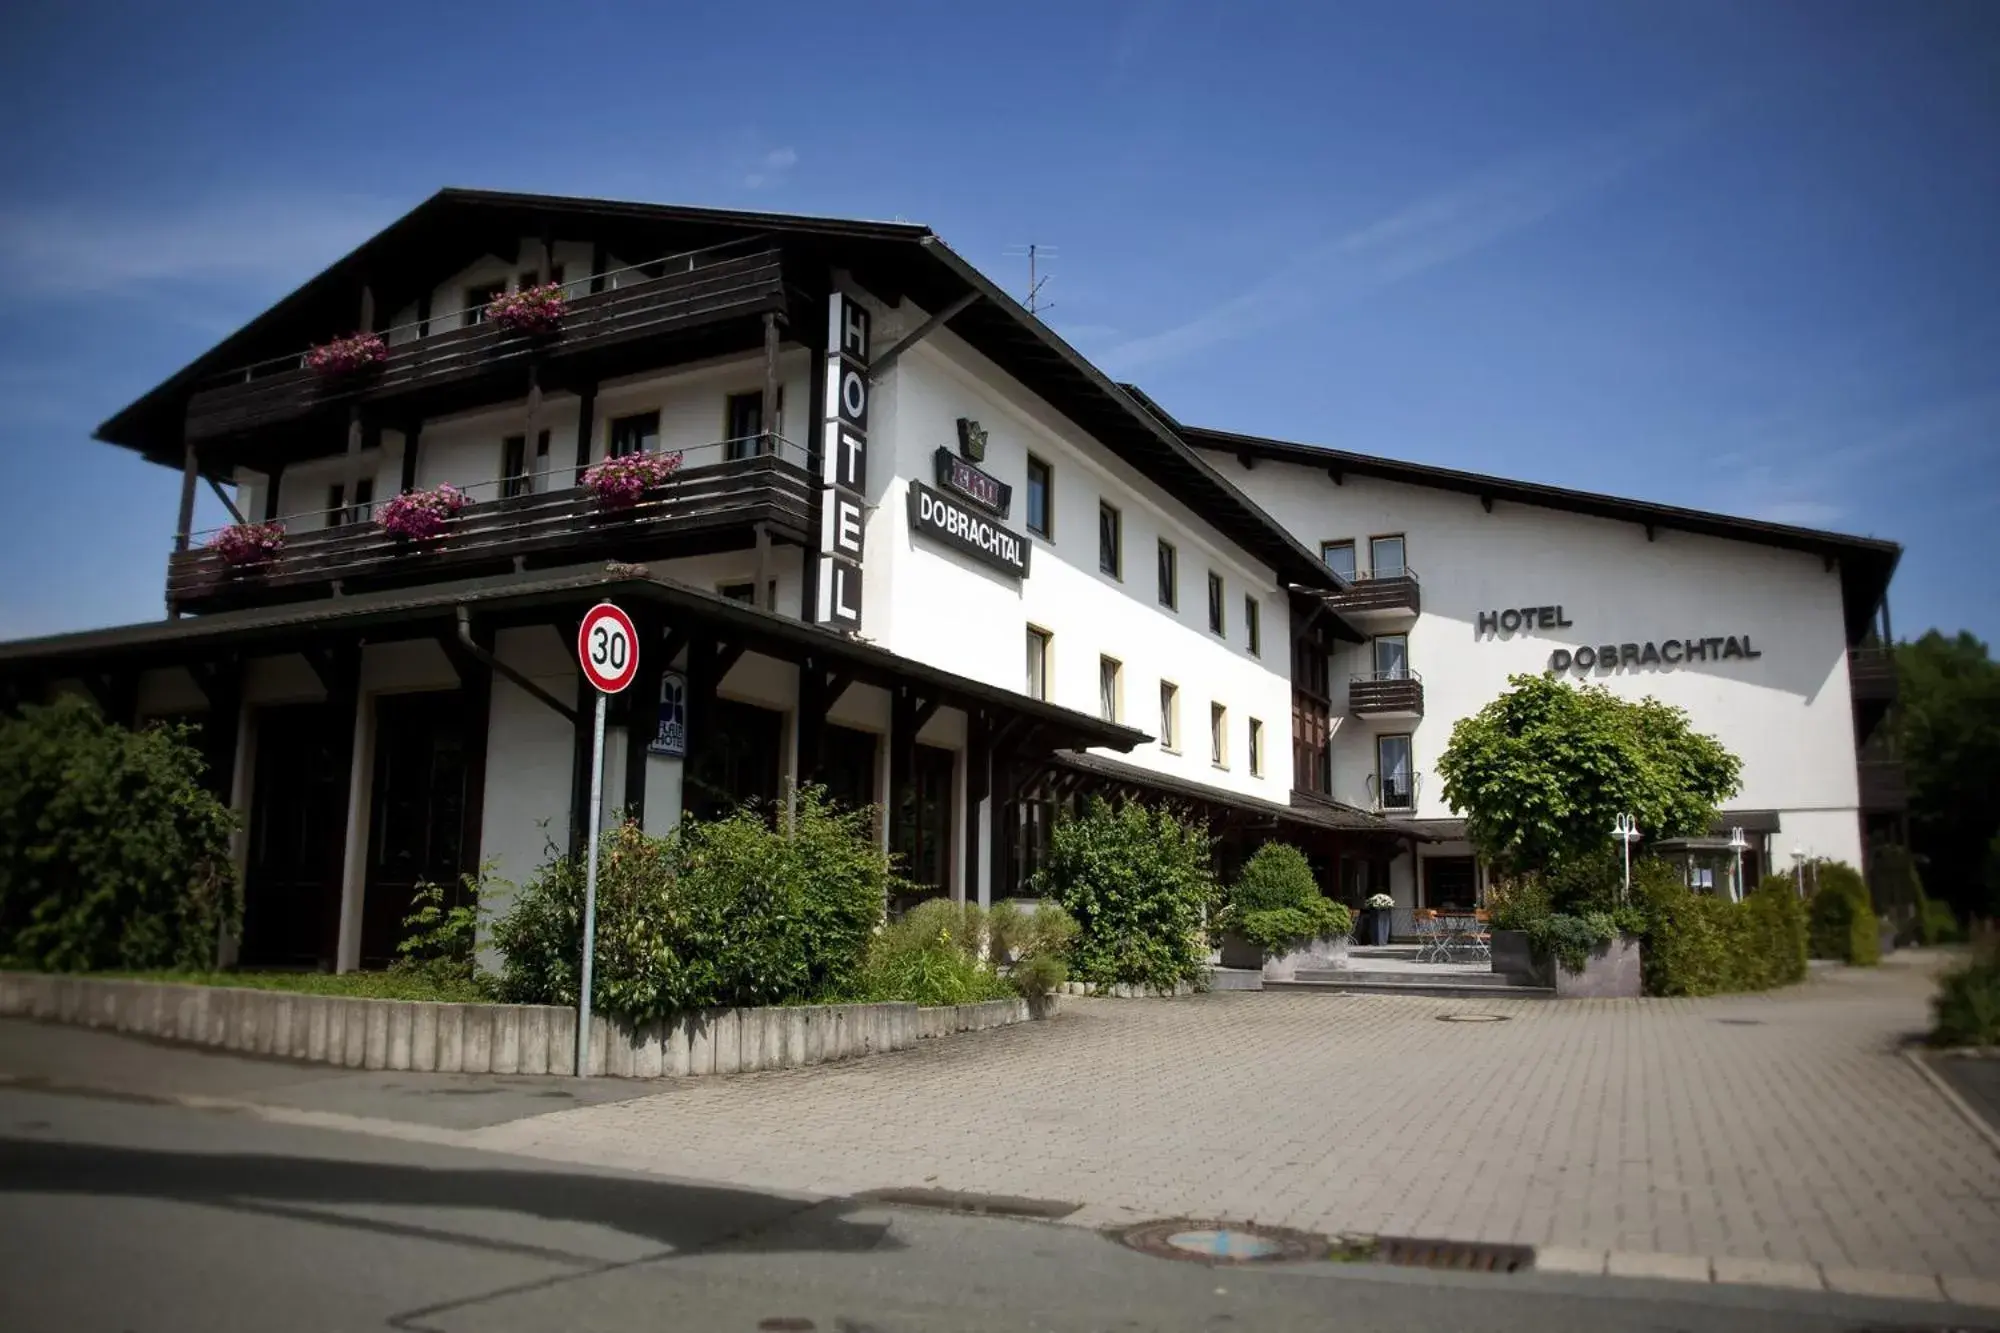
(917, 549)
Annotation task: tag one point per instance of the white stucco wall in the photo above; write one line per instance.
(928, 601)
(528, 751)
(1787, 713)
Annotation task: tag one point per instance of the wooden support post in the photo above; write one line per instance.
(423, 314)
(580, 744)
(815, 437)
(769, 406)
(475, 682)
(902, 764)
(274, 482)
(642, 702)
(190, 473)
(221, 683)
(813, 705)
(412, 436)
(598, 260)
(977, 785)
(586, 409)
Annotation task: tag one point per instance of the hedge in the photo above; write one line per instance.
(1699, 944)
(1842, 918)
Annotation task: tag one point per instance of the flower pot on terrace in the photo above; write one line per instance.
(1377, 924)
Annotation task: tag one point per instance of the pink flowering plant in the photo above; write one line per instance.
(248, 544)
(421, 515)
(618, 483)
(346, 356)
(530, 310)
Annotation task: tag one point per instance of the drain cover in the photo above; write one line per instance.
(1472, 1018)
(1467, 1256)
(1211, 1242)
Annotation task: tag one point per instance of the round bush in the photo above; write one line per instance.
(1137, 881)
(1842, 918)
(113, 855)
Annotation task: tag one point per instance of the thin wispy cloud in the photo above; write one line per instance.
(75, 248)
(1426, 233)
(771, 168)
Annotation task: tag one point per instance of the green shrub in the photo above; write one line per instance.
(1569, 939)
(1936, 924)
(113, 855)
(1842, 918)
(1699, 944)
(1966, 1008)
(930, 956)
(1033, 944)
(1040, 975)
(1519, 902)
(1893, 882)
(440, 935)
(726, 912)
(1138, 882)
(1276, 903)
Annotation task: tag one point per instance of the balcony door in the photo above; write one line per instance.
(1392, 657)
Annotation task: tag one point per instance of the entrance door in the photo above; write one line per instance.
(926, 822)
(416, 826)
(298, 818)
(847, 766)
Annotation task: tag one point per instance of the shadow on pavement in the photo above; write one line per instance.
(679, 1216)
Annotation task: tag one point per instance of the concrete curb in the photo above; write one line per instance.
(1958, 1103)
(1722, 1270)
(492, 1038)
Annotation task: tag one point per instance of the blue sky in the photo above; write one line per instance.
(1734, 256)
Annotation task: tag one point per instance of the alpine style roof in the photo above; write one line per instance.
(893, 260)
(1866, 563)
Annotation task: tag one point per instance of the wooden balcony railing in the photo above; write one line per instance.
(1871, 674)
(1885, 785)
(713, 506)
(1386, 693)
(712, 287)
(1378, 593)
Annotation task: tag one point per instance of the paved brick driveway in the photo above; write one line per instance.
(1783, 1127)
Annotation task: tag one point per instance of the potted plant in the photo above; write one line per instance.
(533, 310)
(1380, 909)
(421, 515)
(348, 356)
(248, 545)
(620, 483)
(1276, 919)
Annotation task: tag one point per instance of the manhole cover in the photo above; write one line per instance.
(1472, 1018)
(1211, 1242)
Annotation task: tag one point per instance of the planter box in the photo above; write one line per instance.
(1317, 955)
(1612, 971)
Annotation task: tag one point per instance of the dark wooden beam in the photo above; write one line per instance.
(1486, 503)
(222, 495)
(190, 469)
(412, 439)
(769, 405)
(598, 261)
(586, 408)
(902, 762)
(338, 666)
(424, 313)
(274, 482)
(642, 711)
(1336, 476)
(926, 709)
(811, 721)
(977, 784)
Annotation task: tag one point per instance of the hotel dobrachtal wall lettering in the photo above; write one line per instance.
(843, 463)
(940, 514)
(1611, 656)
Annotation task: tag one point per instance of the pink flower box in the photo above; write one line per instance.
(530, 310)
(618, 483)
(420, 516)
(247, 545)
(348, 356)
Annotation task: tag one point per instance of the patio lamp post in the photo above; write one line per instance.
(1738, 844)
(1626, 830)
(1799, 870)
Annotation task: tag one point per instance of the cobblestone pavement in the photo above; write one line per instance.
(1784, 1128)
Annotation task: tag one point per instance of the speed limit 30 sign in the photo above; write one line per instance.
(608, 648)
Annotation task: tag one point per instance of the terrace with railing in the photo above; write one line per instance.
(423, 370)
(1386, 694)
(1378, 595)
(716, 499)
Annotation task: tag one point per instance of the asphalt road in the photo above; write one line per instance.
(146, 1188)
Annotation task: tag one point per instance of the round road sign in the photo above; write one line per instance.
(608, 647)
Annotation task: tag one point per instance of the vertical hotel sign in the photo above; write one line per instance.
(843, 463)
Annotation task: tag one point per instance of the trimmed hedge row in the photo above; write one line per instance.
(1843, 918)
(1698, 944)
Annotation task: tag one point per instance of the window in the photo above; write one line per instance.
(1110, 541)
(1339, 557)
(514, 476)
(636, 434)
(1108, 674)
(339, 513)
(1451, 882)
(1393, 779)
(1385, 557)
(478, 298)
(743, 424)
(1038, 663)
(1253, 624)
(1392, 657)
(1170, 576)
(1215, 622)
(1041, 497)
(1218, 735)
(1256, 748)
(1170, 717)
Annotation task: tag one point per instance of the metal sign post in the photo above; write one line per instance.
(607, 647)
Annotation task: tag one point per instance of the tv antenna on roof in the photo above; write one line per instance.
(1036, 279)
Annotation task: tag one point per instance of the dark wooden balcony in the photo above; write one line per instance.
(1871, 674)
(1885, 786)
(1386, 694)
(708, 507)
(1375, 597)
(446, 367)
